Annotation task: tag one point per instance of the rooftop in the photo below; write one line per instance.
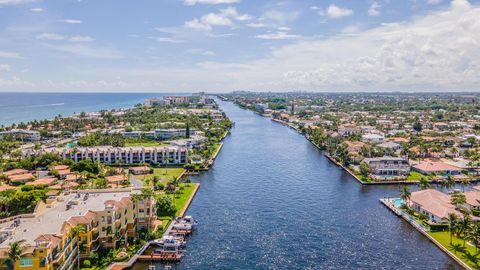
(51, 220)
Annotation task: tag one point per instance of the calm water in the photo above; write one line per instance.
(272, 201)
(17, 107)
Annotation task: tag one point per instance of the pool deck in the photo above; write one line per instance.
(388, 202)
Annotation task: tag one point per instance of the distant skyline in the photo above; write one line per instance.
(228, 45)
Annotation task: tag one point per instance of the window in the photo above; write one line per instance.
(26, 262)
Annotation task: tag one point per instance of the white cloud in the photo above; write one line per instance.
(373, 10)
(4, 68)
(84, 50)
(4, 54)
(81, 39)
(201, 52)
(335, 12)
(256, 25)
(280, 35)
(281, 17)
(167, 39)
(37, 9)
(71, 21)
(434, 2)
(15, 2)
(223, 18)
(209, 2)
(50, 36)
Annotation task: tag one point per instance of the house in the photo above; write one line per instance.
(140, 170)
(116, 180)
(349, 129)
(21, 134)
(434, 204)
(473, 199)
(21, 178)
(354, 146)
(390, 145)
(44, 181)
(388, 166)
(433, 167)
(373, 138)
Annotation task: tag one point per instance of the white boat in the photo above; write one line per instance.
(169, 239)
(182, 226)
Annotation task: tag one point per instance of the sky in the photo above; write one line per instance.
(227, 45)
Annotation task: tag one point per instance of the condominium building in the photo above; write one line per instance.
(111, 155)
(21, 134)
(159, 134)
(69, 228)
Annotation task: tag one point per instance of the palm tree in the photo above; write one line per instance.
(15, 251)
(473, 235)
(449, 182)
(405, 194)
(452, 219)
(424, 183)
(465, 182)
(464, 225)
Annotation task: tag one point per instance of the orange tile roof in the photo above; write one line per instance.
(115, 178)
(15, 171)
(43, 181)
(6, 187)
(25, 176)
(60, 167)
(430, 166)
(435, 202)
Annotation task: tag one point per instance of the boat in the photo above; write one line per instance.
(169, 239)
(151, 267)
(182, 226)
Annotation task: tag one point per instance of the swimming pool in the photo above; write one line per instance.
(397, 202)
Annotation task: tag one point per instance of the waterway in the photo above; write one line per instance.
(273, 201)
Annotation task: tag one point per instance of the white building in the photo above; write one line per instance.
(22, 134)
(110, 154)
(159, 134)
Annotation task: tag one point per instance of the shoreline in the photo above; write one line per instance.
(387, 203)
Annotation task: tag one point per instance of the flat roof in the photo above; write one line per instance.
(50, 221)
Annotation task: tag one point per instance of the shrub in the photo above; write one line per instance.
(86, 264)
(27, 188)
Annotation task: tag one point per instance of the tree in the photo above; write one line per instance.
(424, 183)
(364, 170)
(458, 199)
(464, 225)
(449, 182)
(165, 206)
(452, 219)
(417, 126)
(15, 251)
(405, 194)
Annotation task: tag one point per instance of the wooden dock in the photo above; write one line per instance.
(174, 257)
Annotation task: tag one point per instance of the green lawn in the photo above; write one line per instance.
(415, 176)
(181, 199)
(457, 248)
(145, 144)
(215, 149)
(164, 174)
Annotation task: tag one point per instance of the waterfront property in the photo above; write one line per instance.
(439, 168)
(384, 166)
(111, 155)
(434, 204)
(160, 134)
(71, 227)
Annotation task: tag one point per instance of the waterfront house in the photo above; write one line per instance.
(388, 166)
(473, 199)
(21, 134)
(43, 182)
(434, 204)
(429, 167)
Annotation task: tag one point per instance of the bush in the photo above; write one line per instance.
(438, 227)
(159, 186)
(16, 183)
(27, 188)
(86, 264)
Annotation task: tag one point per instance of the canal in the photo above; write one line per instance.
(273, 201)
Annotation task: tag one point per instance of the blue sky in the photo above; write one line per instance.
(225, 45)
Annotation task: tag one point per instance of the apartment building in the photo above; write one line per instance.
(21, 134)
(111, 155)
(69, 228)
(159, 134)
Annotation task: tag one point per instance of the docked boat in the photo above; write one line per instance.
(170, 239)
